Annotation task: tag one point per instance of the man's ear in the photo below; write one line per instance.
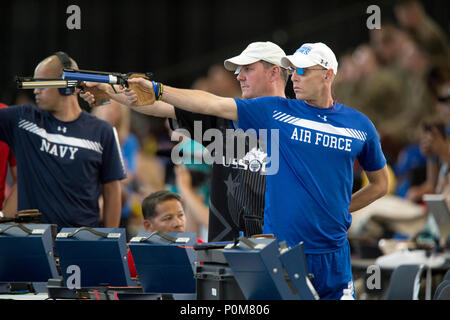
(275, 72)
(148, 226)
(329, 75)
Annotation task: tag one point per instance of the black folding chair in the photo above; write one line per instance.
(442, 291)
(447, 275)
(405, 282)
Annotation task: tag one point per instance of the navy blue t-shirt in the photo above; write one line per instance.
(308, 196)
(61, 166)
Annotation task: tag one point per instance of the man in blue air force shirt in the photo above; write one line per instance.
(66, 158)
(309, 198)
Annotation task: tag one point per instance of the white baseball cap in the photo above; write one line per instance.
(310, 54)
(256, 51)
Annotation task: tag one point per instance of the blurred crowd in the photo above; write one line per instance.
(400, 79)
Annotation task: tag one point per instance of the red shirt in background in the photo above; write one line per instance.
(6, 156)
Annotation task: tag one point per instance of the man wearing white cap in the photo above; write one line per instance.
(252, 67)
(237, 189)
(310, 198)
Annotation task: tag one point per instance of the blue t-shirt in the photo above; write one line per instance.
(308, 198)
(61, 166)
(130, 150)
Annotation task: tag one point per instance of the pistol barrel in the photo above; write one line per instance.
(43, 83)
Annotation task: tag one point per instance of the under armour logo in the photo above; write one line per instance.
(323, 62)
(63, 129)
(324, 118)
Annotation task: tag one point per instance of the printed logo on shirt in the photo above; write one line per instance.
(235, 151)
(318, 133)
(255, 161)
(57, 144)
(58, 150)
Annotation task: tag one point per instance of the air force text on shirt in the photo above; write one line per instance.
(322, 139)
(319, 132)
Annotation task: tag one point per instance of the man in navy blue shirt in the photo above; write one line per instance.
(309, 197)
(66, 158)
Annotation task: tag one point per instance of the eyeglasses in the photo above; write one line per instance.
(301, 71)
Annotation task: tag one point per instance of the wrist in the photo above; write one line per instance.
(158, 89)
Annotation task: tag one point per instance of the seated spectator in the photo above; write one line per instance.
(427, 33)
(435, 144)
(163, 211)
(386, 42)
(410, 170)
